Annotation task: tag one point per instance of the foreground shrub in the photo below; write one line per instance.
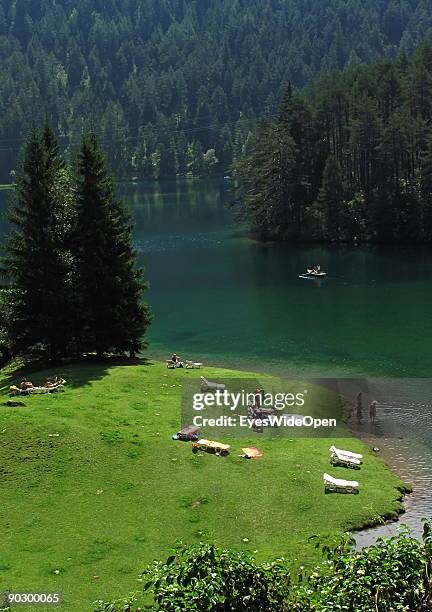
(205, 577)
(131, 603)
(394, 574)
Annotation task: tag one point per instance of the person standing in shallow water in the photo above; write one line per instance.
(372, 411)
(359, 406)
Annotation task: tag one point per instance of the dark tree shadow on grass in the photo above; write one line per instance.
(76, 372)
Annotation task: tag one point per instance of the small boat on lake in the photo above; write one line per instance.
(312, 273)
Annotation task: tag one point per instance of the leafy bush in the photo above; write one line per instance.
(205, 577)
(125, 604)
(394, 574)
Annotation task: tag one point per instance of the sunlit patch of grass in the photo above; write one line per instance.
(92, 486)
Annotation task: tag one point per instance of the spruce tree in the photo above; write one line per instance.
(426, 187)
(167, 160)
(330, 200)
(109, 287)
(36, 263)
(196, 164)
(280, 186)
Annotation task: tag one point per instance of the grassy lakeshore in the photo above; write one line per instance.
(82, 512)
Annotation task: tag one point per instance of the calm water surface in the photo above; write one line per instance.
(222, 298)
(219, 296)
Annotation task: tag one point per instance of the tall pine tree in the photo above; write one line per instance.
(330, 200)
(426, 187)
(109, 287)
(36, 264)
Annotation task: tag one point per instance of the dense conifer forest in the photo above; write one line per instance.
(174, 86)
(348, 159)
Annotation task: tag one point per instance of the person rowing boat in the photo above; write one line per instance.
(313, 272)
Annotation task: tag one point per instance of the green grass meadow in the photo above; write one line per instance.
(83, 511)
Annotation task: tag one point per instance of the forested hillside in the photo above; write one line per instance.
(348, 159)
(166, 82)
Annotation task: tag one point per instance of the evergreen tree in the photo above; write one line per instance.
(37, 262)
(196, 165)
(269, 181)
(225, 148)
(167, 160)
(330, 200)
(182, 151)
(111, 316)
(426, 187)
(281, 186)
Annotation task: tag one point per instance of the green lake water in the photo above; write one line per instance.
(220, 297)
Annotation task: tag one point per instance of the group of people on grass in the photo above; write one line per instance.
(26, 386)
(176, 362)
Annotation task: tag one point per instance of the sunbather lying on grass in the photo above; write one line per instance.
(51, 384)
(26, 387)
(26, 384)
